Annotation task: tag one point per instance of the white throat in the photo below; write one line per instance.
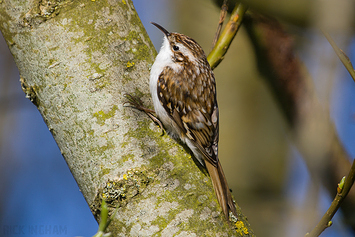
(163, 59)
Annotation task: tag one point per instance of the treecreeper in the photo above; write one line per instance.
(183, 90)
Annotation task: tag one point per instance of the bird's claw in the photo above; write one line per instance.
(137, 103)
(134, 101)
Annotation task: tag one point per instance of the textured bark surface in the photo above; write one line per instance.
(76, 60)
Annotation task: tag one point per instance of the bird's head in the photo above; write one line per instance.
(182, 48)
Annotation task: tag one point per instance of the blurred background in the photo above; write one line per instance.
(267, 173)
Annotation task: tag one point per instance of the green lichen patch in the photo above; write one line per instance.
(124, 144)
(100, 84)
(127, 157)
(100, 150)
(117, 193)
(104, 171)
(140, 134)
(138, 48)
(101, 116)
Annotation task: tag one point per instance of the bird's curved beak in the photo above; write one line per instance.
(167, 33)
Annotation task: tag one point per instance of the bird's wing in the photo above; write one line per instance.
(190, 100)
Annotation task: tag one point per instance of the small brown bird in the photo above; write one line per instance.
(183, 90)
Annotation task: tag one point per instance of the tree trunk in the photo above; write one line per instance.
(76, 60)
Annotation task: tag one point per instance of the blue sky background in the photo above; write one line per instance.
(42, 198)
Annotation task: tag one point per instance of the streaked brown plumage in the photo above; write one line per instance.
(183, 90)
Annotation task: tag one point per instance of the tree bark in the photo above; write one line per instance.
(76, 60)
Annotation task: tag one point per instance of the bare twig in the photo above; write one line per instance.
(342, 56)
(223, 43)
(104, 221)
(222, 16)
(342, 190)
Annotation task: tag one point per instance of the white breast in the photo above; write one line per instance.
(163, 59)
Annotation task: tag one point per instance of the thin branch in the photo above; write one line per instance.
(231, 29)
(104, 221)
(342, 56)
(222, 17)
(342, 190)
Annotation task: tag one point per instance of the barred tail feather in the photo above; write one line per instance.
(221, 189)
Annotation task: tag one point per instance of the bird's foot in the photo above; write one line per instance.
(136, 103)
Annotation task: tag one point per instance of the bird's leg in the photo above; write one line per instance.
(137, 103)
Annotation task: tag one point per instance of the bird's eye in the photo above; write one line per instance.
(175, 48)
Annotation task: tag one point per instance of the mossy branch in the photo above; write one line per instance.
(76, 63)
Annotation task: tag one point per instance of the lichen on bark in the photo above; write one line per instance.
(78, 61)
